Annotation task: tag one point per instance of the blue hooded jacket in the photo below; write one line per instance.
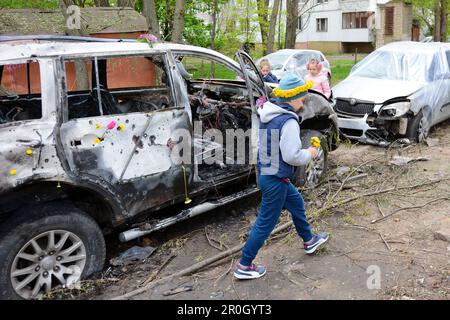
(279, 147)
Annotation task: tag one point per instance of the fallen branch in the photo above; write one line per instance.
(379, 207)
(408, 208)
(350, 174)
(226, 272)
(210, 242)
(387, 245)
(155, 273)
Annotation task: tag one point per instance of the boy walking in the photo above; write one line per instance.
(279, 151)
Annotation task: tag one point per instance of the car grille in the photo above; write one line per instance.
(359, 109)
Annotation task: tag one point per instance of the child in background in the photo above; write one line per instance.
(320, 80)
(264, 67)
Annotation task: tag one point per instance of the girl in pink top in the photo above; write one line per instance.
(321, 83)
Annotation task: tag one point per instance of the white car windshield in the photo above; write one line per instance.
(394, 65)
(278, 59)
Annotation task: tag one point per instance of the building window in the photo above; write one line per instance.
(322, 25)
(300, 23)
(355, 20)
(389, 21)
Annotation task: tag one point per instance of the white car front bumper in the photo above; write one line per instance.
(357, 128)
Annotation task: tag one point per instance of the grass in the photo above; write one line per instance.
(340, 68)
(203, 70)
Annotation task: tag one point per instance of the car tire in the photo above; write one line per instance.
(49, 244)
(309, 176)
(418, 127)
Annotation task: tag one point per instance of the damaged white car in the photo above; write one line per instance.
(98, 135)
(398, 91)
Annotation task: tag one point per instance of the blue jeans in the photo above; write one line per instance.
(276, 195)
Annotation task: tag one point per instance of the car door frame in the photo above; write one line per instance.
(140, 194)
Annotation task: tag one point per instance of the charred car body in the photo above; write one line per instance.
(88, 130)
(398, 91)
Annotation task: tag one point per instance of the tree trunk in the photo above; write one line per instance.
(81, 71)
(291, 25)
(263, 10)
(125, 3)
(437, 20)
(178, 21)
(149, 12)
(279, 24)
(101, 3)
(213, 34)
(444, 17)
(272, 26)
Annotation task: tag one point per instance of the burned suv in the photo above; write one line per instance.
(98, 135)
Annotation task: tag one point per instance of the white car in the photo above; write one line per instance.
(294, 61)
(398, 91)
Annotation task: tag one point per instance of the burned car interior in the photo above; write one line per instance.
(218, 104)
(20, 97)
(114, 95)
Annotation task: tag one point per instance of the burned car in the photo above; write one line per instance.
(398, 91)
(99, 135)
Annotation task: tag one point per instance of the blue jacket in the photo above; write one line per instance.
(280, 148)
(270, 77)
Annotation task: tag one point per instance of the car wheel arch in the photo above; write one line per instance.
(106, 212)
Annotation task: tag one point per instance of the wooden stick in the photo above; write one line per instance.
(155, 273)
(407, 208)
(379, 207)
(387, 245)
(209, 241)
(349, 175)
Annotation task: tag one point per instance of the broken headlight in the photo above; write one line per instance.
(395, 110)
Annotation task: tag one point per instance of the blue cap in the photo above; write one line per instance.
(292, 87)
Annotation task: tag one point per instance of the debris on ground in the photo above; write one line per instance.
(178, 290)
(132, 255)
(432, 142)
(402, 160)
(342, 171)
(358, 177)
(443, 235)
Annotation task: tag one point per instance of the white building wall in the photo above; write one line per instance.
(333, 11)
(334, 27)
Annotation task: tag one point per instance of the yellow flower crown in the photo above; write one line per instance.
(292, 92)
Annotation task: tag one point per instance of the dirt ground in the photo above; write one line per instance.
(407, 251)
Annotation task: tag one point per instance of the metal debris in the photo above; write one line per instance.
(132, 255)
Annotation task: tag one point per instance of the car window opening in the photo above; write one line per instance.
(219, 99)
(117, 85)
(20, 93)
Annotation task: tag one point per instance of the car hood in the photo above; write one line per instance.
(278, 73)
(374, 90)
